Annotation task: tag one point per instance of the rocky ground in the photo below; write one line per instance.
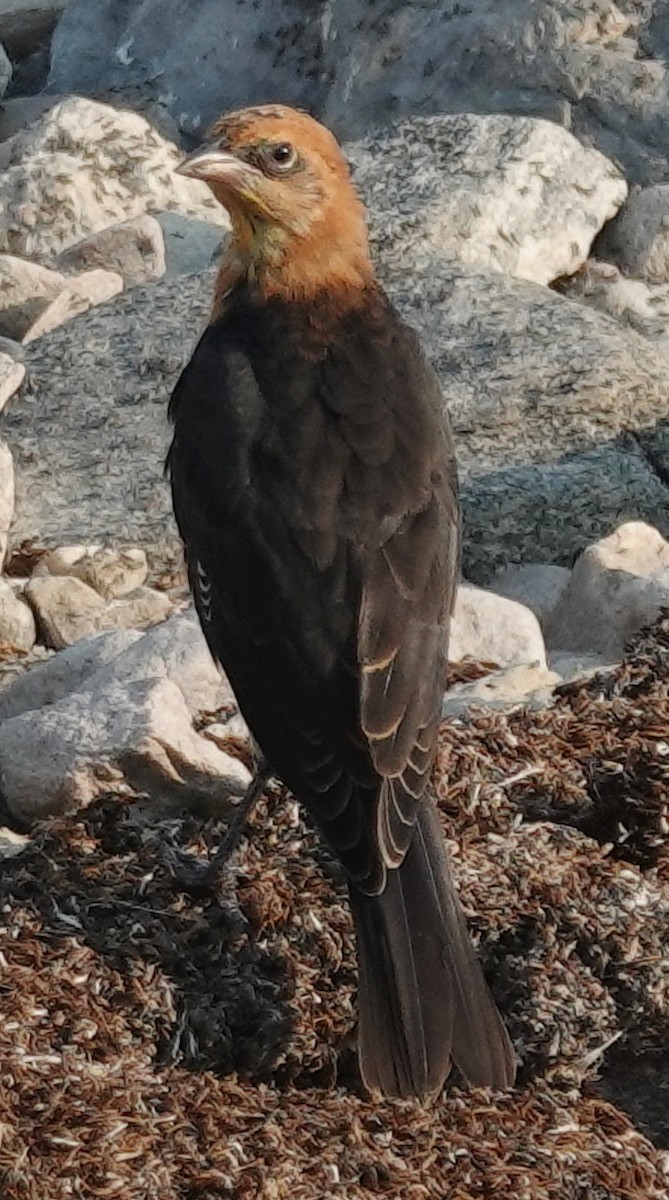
(158, 1042)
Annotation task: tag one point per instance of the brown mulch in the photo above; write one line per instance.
(160, 1043)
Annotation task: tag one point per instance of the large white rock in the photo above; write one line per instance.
(617, 585)
(141, 728)
(638, 239)
(497, 192)
(135, 249)
(493, 629)
(83, 166)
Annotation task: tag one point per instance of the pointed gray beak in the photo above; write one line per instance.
(214, 165)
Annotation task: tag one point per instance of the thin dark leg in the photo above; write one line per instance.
(236, 828)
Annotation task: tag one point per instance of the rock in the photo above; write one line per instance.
(112, 572)
(83, 166)
(531, 685)
(135, 249)
(502, 193)
(493, 629)
(190, 245)
(6, 498)
(12, 843)
(549, 398)
(67, 609)
(175, 650)
(571, 667)
(5, 71)
(18, 112)
(357, 65)
(64, 559)
(21, 283)
(63, 673)
(618, 585)
(17, 623)
(23, 23)
(642, 306)
(536, 585)
(140, 728)
(12, 374)
(40, 316)
(637, 241)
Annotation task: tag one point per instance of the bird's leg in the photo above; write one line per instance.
(236, 828)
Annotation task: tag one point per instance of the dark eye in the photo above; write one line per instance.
(283, 156)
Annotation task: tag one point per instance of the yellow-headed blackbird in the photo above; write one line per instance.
(315, 488)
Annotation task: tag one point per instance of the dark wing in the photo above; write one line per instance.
(322, 556)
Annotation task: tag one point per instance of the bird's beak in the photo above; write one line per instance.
(215, 166)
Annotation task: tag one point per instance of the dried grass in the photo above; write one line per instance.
(156, 1044)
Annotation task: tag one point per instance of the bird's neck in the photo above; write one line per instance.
(276, 265)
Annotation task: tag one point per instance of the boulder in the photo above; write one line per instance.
(617, 586)
(23, 23)
(65, 672)
(139, 730)
(112, 572)
(637, 240)
(536, 585)
(493, 629)
(190, 245)
(502, 193)
(597, 67)
(83, 166)
(17, 623)
(37, 317)
(67, 609)
(12, 374)
(135, 249)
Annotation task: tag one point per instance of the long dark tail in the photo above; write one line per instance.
(423, 1000)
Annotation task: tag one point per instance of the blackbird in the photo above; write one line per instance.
(315, 489)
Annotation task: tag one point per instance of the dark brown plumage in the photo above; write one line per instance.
(315, 489)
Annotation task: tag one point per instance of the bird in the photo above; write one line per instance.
(314, 486)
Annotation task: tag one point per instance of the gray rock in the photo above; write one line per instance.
(501, 193)
(637, 241)
(536, 585)
(617, 586)
(17, 623)
(543, 392)
(5, 70)
(83, 166)
(190, 245)
(63, 673)
(640, 305)
(139, 730)
(23, 23)
(493, 629)
(572, 667)
(67, 609)
(360, 65)
(77, 295)
(135, 249)
(175, 650)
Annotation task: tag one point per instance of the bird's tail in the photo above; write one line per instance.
(423, 1000)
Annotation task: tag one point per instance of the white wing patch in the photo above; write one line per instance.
(203, 588)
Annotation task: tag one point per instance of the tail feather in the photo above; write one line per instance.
(423, 1000)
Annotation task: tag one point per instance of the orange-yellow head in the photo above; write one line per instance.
(298, 224)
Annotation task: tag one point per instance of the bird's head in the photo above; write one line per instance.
(298, 225)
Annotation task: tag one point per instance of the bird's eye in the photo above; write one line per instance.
(282, 156)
